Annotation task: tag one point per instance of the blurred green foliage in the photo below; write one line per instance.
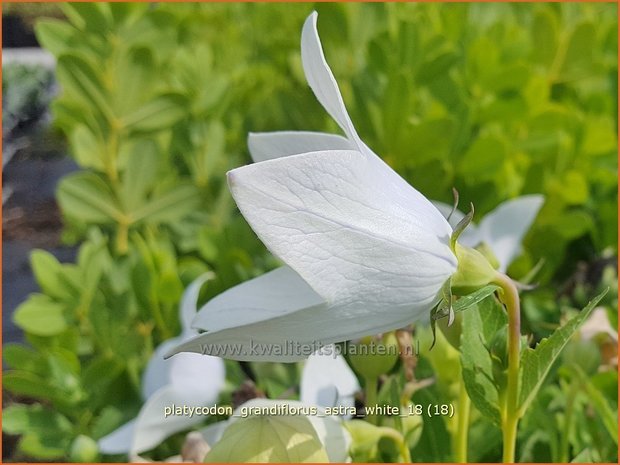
(497, 100)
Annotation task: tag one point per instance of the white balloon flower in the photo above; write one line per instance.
(187, 380)
(502, 230)
(364, 252)
(328, 381)
(329, 429)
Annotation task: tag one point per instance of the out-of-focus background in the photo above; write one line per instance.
(120, 121)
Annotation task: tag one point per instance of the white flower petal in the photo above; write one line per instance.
(196, 381)
(349, 225)
(268, 145)
(504, 228)
(273, 294)
(297, 335)
(151, 427)
(157, 371)
(213, 432)
(368, 243)
(327, 380)
(470, 235)
(188, 372)
(321, 79)
(334, 437)
(189, 302)
(198, 376)
(119, 440)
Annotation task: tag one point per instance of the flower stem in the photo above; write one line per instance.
(510, 413)
(401, 443)
(460, 448)
(370, 392)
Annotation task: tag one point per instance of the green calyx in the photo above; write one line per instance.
(372, 357)
(473, 270)
(485, 250)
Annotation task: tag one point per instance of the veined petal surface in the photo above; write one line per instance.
(352, 228)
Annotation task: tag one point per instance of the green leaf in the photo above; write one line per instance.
(435, 442)
(436, 66)
(160, 113)
(479, 327)
(47, 271)
(484, 158)
(124, 13)
(579, 53)
(92, 17)
(571, 224)
(585, 456)
(79, 79)
(133, 75)
(21, 419)
(395, 110)
(269, 438)
(536, 363)
(50, 446)
(86, 197)
(87, 149)
(600, 404)
(169, 206)
(600, 137)
(572, 186)
(41, 316)
(22, 357)
(467, 301)
(140, 173)
(544, 37)
(28, 385)
(54, 35)
(509, 78)
(429, 140)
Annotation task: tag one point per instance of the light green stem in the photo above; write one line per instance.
(400, 441)
(460, 447)
(370, 391)
(510, 413)
(568, 423)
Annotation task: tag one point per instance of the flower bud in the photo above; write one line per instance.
(373, 356)
(370, 443)
(84, 450)
(269, 438)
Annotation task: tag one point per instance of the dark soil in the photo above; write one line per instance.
(30, 219)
